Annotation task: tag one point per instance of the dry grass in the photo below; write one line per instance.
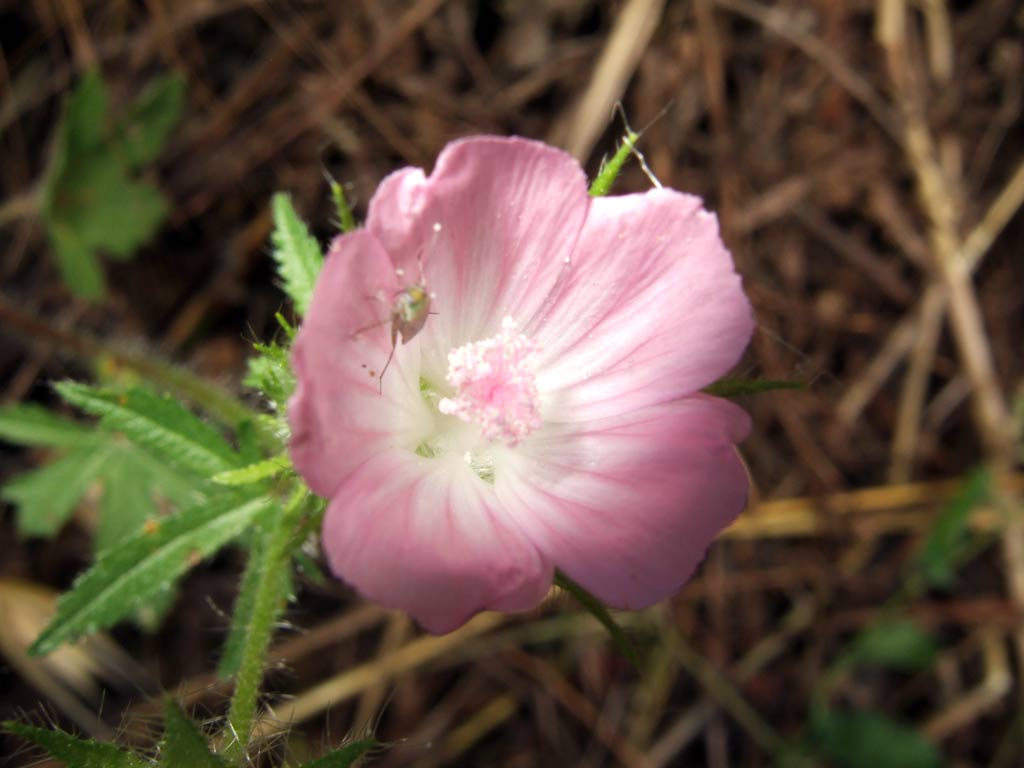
(867, 163)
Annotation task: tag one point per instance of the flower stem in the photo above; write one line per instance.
(275, 552)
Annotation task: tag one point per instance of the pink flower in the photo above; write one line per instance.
(548, 414)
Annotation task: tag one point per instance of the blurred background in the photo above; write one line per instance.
(866, 161)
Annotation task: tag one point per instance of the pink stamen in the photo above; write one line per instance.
(495, 385)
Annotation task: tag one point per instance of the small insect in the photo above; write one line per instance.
(409, 312)
(408, 316)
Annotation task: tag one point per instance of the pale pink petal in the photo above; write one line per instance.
(627, 506)
(338, 416)
(492, 228)
(429, 537)
(652, 310)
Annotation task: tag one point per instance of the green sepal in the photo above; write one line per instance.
(346, 221)
(602, 183)
(730, 387)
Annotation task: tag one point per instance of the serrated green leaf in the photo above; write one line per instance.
(599, 611)
(134, 483)
(46, 497)
(868, 740)
(950, 530)
(143, 131)
(152, 560)
(161, 424)
(27, 424)
(729, 387)
(602, 184)
(894, 643)
(254, 473)
(346, 755)
(75, 752)
(184, 745)
(296, 252)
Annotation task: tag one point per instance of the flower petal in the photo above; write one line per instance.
(627, 506)
(492, 228)
(427, 536)
(652, 310)
(338, 416)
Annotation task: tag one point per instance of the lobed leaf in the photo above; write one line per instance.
(46, 497)
(160, 424)
(296, 252)
(28, 424)
(869, 740)
(147, 563)
(75, 752)
(143, 131)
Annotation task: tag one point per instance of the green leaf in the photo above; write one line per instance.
(34, 425)
(184, 745)
(895, 643)
(145, 128)
(602, 185)
(297, 253)
(89, 201)
(145, 564)
(46, 497)
(949, 533)
(729, 387)
(78, 264)
(345, 756)
(241, 617)
(85, 112)
(599, 611)
(868, 740)
(104, 208)
(346, 221)
(254, 473)
(133, 483)
(75, 752)
(160, 424)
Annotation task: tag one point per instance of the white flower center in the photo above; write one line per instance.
(495, 386)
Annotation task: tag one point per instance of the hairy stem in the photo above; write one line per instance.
(275, 553)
